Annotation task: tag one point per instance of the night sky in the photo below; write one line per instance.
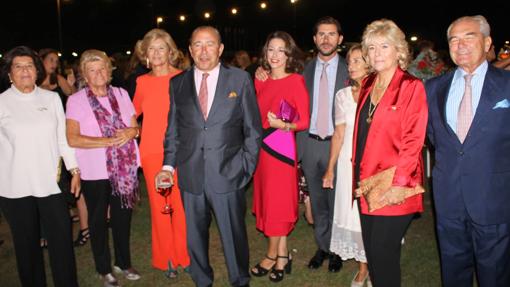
(115, 25)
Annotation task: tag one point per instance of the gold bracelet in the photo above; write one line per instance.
(74, 171)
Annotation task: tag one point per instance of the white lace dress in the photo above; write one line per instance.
(346, 240)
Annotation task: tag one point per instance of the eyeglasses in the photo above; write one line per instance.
(19, 67)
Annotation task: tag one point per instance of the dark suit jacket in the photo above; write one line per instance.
(342, 75)
(220, 153)
(474, 176)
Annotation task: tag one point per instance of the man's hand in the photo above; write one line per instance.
(163, 177)
(327, 179)
(261, 74)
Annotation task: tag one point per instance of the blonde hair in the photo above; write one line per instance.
(163, 35)
(94, 55)
(390, 31)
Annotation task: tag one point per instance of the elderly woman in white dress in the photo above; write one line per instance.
(32, 140)
(346, 240)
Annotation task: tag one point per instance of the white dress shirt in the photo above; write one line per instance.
(331, 71)
(456, 92)
(212, 81)
(32, 140)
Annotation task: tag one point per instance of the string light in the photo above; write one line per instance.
(207, 15)
(414, 39)
(234, 11)
(74, 54)
(263, 5)
(128, 52)
(159, 20)
(182, 18)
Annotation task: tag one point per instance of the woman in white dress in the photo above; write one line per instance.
(346, 240)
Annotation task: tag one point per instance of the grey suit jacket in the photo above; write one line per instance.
(221, 152)
(342, 76)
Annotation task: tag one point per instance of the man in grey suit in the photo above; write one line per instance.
(324, 76)
(213, 139)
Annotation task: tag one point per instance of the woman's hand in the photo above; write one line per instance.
(122, 136)
(274, 122)
(76, 185)
(327, 179)
(396, 195)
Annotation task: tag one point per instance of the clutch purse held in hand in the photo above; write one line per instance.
(376, 186)
(287, 112)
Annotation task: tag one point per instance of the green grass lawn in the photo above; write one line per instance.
(420, 261)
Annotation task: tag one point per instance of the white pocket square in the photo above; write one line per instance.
(503, 104)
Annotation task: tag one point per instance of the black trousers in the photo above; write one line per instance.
(98, 196)
(24, 216)
(382, 237)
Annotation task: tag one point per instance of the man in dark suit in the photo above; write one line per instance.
(324, 76)
(213, 138)
(469, 117)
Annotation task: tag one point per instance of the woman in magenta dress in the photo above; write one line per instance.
(284, 108)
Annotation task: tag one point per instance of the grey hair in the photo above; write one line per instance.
(485, 28)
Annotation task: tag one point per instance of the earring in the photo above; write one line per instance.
(148, 64)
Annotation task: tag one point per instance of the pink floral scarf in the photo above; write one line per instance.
(121, 161)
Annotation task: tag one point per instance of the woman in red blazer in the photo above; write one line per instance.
(389, 131)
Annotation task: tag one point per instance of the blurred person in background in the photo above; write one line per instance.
(64, 87)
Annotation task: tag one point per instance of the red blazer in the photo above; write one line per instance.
(395, 138)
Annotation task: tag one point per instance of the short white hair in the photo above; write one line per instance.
(485, 28)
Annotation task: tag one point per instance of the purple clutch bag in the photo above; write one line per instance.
(287, 112)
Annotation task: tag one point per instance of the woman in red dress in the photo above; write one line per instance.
(284, 107)
(152, 99)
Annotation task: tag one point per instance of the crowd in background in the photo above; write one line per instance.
(356, 126)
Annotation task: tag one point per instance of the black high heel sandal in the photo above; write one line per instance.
(261, 271)
(83, 237)
(277, 275)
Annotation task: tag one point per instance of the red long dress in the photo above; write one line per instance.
(168, 235)
(275, 190)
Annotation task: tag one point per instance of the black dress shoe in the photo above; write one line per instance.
(335, 263)
(317, 259)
